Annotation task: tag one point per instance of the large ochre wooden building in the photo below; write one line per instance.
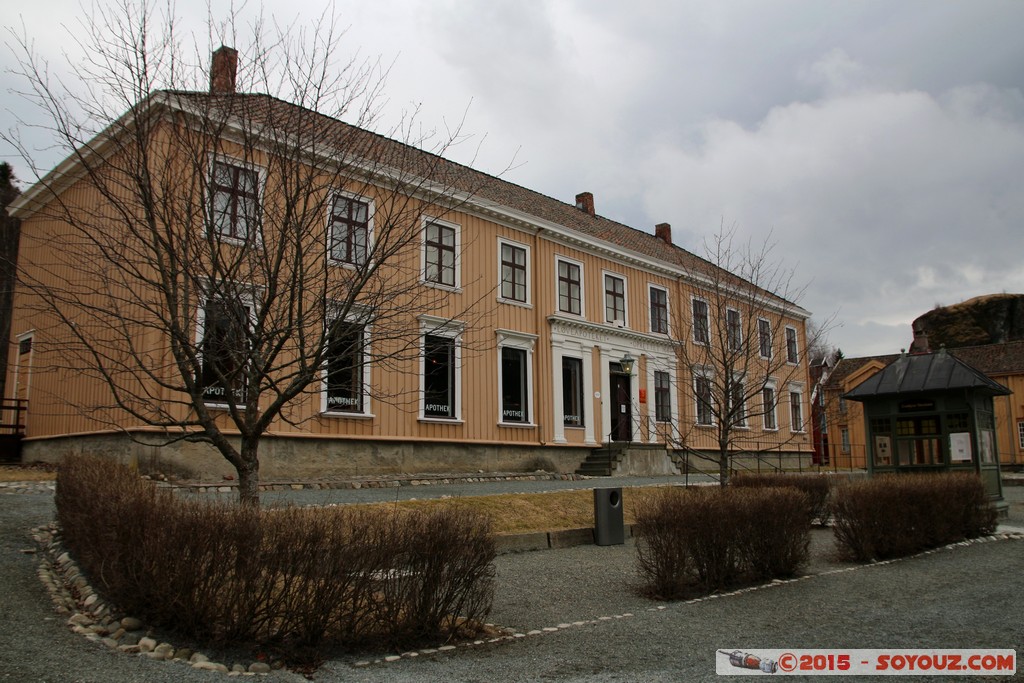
(531, 306)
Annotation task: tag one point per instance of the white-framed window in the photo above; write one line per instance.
(738, 401)
(734, 329)
(701, 321)
(769, 407)
(441, 253)
(234, 191)
(441, 369)
(703, 399)
(615, 299)
(764, 338)
(515, 377)
(514, 269)
(792, 350)
(844, 435)
(796, 409)
(1020, 434)
(350, 229)
(346, 378)
(662, 396)
(658, 297)
(572, 392)
(569, 286)
(222, 332)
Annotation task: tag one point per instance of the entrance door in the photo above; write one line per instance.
(621, 407)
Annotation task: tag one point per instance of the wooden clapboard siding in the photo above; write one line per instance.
(58, 384)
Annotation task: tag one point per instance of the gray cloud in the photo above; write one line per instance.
(881, 144)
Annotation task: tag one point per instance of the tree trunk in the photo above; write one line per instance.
(723, 466)
(249, 475)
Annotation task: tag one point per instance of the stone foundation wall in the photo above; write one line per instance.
(309, 458)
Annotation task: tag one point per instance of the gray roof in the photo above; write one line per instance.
(925, 373)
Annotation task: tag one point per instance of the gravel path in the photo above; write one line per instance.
(970, 596)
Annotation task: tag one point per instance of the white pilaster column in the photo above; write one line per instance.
(588, 396)
(557, 409)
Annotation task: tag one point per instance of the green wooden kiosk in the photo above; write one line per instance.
(931, 412)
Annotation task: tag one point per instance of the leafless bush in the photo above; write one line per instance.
(816, 486)
(894, 516)
(292, 579)
(704, 540)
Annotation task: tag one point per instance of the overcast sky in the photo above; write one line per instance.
(880, 144)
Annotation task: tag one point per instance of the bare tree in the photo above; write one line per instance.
(216, 257)
(743, 344)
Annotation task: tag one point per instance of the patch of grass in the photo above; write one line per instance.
(25, 474)
(526, 512)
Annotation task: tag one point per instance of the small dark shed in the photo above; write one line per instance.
(931, 412)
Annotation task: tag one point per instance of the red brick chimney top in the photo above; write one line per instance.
(585, 202)
(223, 69)
(663, 231)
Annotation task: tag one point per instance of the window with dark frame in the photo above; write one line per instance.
(844, 436)
(572, 392)
(768, 405)
(662, 397)
(569, 288)
(702, 394)
(734, 329)
(234, 199)
(918, 440)
(659, 310)
(701, 326)
(738, 402)
(514, 386)
(796, 411)
(792, 356)
(438, 377)
(440, 254)
(614, 299)
(764, 338)
(224, 350)
(345, 369)
(513, 273)
(350, 227)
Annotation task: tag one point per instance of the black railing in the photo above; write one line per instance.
(12, 416)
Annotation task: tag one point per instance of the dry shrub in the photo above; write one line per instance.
(894, 516)
(817, 487)
(693, 541)
(291, 579)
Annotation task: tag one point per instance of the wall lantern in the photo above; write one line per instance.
(627, 363)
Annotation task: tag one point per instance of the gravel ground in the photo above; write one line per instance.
(971, 596)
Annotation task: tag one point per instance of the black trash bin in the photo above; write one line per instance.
(608, 521)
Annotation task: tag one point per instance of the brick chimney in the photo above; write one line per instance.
(585, 202)
(920, 343)
(223, 69)
(663, 231)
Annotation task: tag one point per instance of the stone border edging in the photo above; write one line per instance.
(96, 621)
(371, 482)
